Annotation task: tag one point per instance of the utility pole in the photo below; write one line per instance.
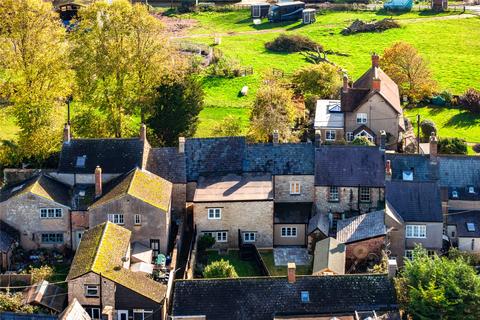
(418, 133)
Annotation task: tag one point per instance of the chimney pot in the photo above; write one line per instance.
(376, 84)
(66, 133)
(98, 182)
(291, 272)
(181, 145)
(375, 60)
(275, 137)
(433, 145)
(383, 140)
(345, 82)
(143, 132)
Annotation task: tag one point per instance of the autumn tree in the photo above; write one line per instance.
(119, 55)
(35, 74)
(409, 70)
(321, 80)
(272, 110)
(228, 127)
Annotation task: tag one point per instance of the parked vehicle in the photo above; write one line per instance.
(260, 10)
(285, 11)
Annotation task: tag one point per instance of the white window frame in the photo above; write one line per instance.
(330, 135)
(416, 231)
(363, 196)
(349, 136)
(249, 237)
(295, 187)
(408, 254)
(92, 313)
(51, 213)
(137, 219)
(52, 237)
(334, 194)
(362, 118)
(221, 236)
(364, 133)
(146, 314)
(93, 287)
(117, 218)
(214, 213)
(288, 232)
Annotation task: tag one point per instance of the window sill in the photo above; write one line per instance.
(333, 201)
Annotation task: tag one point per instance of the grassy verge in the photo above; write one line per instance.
(243, 268)
(267, 256)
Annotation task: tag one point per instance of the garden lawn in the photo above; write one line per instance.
(8, 128)
(243, 268)
(267, 256)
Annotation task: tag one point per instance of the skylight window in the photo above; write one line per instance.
(471, 190)
(407, 175)
(305, 296)
(81, 161)
(334, 107)
(17, 188)
(454, 194)
(470, 226)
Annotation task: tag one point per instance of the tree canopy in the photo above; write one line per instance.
(322, 80)
(220, 269)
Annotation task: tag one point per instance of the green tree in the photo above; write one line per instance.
(428, 127)
(178, 101)
(439, 288)
(13, 302)
(220, 269)
(452, 146)
(322, 80)
(228, 127)
(35, 73)
(362, 141)
(272, 110)
(119, 55)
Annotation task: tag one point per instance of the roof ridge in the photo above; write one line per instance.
(131, 180)
(99, 245)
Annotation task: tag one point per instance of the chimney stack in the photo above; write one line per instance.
(433, 145)
(291, 272)
(388, 171)
(98, 182)
(107, 312)
(383, 140)
(275, 137)
(181, 144)
(375, 60)
(376, 84)
(66, 133)
(143, 132)
(345, 82)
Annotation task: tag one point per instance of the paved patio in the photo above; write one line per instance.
(283, 256)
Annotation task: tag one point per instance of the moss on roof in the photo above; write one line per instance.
(101, 251)
(142, 185)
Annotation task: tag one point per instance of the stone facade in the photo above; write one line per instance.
(22, 212)
(282, 188)
(76, 289)
(348, 200)
(299, 240)
(253, 216)
(155, 223)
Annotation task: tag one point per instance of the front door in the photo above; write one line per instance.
(122, 314)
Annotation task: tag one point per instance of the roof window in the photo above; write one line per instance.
(80, 163)
(407, 175)
(454, 194)
(305, 296)
(470, 226)
(471, 189)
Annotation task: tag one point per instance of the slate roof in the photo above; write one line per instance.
(167, 163)
(319, 222)
(8, 236)
(349, 166)
(280, 159)
(101, 251)
(263, 298)
(47, 295)
(292, 212)
(459, 171)
(142, 185)
(42, 186)
(214, 156)
(26, 316)
(112, 155)
(325, 117)
(423, 169)
(362, 227)
(247, 187)
(329, 255)
(415, 201)
(461, 218)
(464, 193)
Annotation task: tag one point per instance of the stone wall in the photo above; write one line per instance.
(76, 289)
(348, 200)
(299, 240)
(282, 188)
(254, 216)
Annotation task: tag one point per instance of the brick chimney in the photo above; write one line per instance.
(181, 144)
(98, 182)
(275, 137)
(383, 140)
(143, 132)
(376, 84)
(375, 60)
(107, 312)
(388, 170)
(433, 145)
(291, 272)
(345, 83)
(66, 133)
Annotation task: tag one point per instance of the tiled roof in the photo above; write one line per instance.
(352, 99)
(464, 193)
(362, 227)
(8, 236)
(101, 251)
(247, 187)
(42, 186)
(319, 222)
(349, 166)
(167, 163)
(214, 156)
(112, 155)
(280, 159)
(461, 218)
(419, 164)
(415, 201)
(329, 254)
(292, 212)
(459, 171)
(142, 185)
(263, 298)
(47, 295)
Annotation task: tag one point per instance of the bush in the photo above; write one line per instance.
(13, 302)
(362, 141)
(41, 273)
(452, 146)
(471, 100)
(206, 241)
(222, 66)
(427, 126)
(230, 126)
(220, 269)
(292, 43)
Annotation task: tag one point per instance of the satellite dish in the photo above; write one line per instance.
(360, 252)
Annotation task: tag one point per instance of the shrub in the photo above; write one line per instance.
(427, 126)
(452, 146)
(41, 273)
(228, 127)
(206, 241)
(292, 43)
(362, 141)
(13, 302)
(223, 66)
(471, 100)
(220, 269)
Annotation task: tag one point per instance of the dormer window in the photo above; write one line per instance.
(407, 175)
(471, 227)
(471, 190)
(80, 163)
(305, 296)
(455, 194)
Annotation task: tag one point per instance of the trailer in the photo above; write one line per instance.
(309, 16)
(259, 10)
(286, 11)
